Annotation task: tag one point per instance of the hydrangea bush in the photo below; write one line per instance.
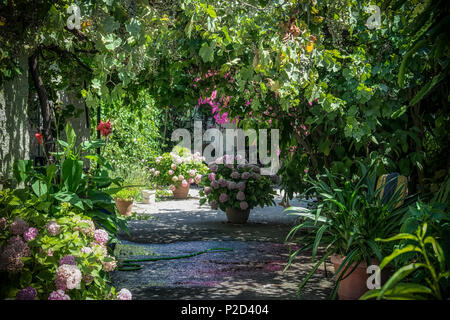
(52, 256)
(178, 168)
(233, 183)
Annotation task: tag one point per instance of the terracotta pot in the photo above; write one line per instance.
(124, 206)
(237, 215)
(355, 285)
(181, 192)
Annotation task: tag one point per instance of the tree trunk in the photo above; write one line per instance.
(49, 141)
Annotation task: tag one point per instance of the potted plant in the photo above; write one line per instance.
(124, 200)
(177, 170)
(236, 188)
(345, 223)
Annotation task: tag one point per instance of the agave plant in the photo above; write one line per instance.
(347, 220)
(431, 261)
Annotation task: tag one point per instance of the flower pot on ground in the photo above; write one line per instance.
(181, 192)
(148, 196)
(124, 200)
(236, 187)
(178, 170)
(354, 285)
(237, 216)
(124, 206)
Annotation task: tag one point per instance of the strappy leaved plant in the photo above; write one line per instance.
(348, 218)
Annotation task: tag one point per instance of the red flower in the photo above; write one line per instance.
(39, 137)
(105, 128)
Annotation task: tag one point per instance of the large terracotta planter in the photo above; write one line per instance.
(237, 215)
(181, 192)
(355, 285)
(124, 206)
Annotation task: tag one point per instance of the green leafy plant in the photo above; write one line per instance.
(233, 185)
(428, 257)
(35, 244)
(127, 194)
(349, 217)
(65, 180)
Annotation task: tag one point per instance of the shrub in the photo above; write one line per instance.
(177, 168)
(235, 185)
(51, 255)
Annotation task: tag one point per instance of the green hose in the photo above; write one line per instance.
(130, 265)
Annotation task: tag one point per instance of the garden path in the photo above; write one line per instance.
(253, 270)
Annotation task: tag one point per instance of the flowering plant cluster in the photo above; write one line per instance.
(233, 183)
(177, 168)
(59, 256)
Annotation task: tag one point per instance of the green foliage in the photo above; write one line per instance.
(38, 269)
(136, 137)
(127, 194)
(347, 220)
(66, 181)
(428, 256)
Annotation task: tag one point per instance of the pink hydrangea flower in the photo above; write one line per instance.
(87, 278)
(212, 176)
(241, 186)
(86, 250)
(223, 183)
(11, 256)
(173, 166)
(184, 183)
(2, 223)
(68, 277)
(243, 205)
(240, 196)
(181, 177)
(30, 234)
(231, 185)
(198, 177)
(214, 204)
(109, 266)
(157, 173)
(191, 181)
(18, 226)
(245, 175)
(235, 175)
(58, 295)
(29, 293)
(101, 236)
(172, 187)
(223, 197)
(170, 172)
(124, 294)
(53, 228)
(174, 178)
(89, 231)
(207, 190)
(68, 259)
(215, 184)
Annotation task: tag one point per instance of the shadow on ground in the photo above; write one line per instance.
(253, 270)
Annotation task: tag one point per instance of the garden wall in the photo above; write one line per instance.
(14, 124)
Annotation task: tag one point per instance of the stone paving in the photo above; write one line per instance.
(253, 270)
